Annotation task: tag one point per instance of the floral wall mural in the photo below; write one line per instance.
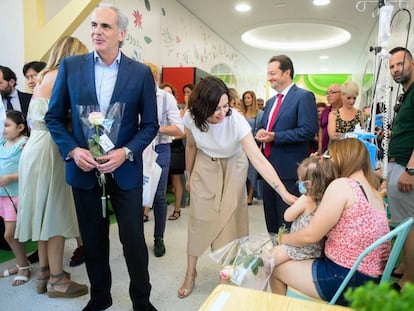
(165, 33)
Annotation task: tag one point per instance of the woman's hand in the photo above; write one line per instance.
(289, 198)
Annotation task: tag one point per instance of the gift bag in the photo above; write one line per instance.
(151, 175)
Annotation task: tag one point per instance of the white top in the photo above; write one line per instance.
(168, 115)
(222, 140)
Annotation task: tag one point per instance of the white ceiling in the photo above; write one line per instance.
(222, 18)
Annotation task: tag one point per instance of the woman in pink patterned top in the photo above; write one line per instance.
(352, 216)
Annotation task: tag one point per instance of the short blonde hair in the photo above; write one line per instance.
(350, 88)
(154, 69)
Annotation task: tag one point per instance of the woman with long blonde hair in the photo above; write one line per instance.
(253, 115)
(47, 211)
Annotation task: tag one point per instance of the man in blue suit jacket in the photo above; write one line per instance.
(102, 78)
(288, 136)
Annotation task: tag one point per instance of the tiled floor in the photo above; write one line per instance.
(166, 273)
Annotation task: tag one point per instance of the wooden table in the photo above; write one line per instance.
(229, 297)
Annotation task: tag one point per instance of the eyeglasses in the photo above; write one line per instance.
(332, 92)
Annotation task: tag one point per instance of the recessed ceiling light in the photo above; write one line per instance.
(323, 57)
(321, 2)
(243, 7)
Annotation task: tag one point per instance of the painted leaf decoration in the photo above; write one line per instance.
(148, 40)
(163, 12)
(148, 5)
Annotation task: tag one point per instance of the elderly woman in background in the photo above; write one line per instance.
(346, 118)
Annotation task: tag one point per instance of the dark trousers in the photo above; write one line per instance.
(94, 230)
(160, 200)
(274, 206)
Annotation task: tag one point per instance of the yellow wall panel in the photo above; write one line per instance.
(39, 35)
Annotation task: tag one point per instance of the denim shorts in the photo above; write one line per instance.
(328, 276)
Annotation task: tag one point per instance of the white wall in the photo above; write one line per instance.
(11, 38)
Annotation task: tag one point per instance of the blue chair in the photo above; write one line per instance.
(400, 233)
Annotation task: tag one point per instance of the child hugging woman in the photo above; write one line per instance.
(314, 176)
(11, 145)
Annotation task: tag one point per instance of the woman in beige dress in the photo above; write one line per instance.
(218, 140)
(47, 211)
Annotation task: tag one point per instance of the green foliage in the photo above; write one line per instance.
(94, 146)
(373, 297)
(148, 5)
(148, 40)
(249, 259)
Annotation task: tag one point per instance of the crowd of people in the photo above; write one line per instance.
(218, 148)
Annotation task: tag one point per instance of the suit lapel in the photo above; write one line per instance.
(285, 103)
(268, 110)
(121, 79)
(88, 71)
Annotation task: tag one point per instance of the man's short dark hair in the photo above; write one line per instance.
(8, 74)
(35, 65)
(285, 63)
(401, 49)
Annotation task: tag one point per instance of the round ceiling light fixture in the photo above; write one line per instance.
(296, 37)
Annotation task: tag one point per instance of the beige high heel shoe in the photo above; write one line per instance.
(185, 292)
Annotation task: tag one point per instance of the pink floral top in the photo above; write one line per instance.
(358, 227)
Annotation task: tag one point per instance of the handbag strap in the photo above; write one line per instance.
(164, 110)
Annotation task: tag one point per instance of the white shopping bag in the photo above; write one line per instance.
(151, 174)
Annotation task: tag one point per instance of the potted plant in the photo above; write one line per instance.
(374, 297)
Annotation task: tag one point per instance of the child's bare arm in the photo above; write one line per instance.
(298, 208)
(7, 179)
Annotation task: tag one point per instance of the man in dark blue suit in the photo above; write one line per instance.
(101, 79)
(289, 123)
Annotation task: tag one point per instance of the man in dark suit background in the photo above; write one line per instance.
(286, 136)
(102, 78)
(18, 100)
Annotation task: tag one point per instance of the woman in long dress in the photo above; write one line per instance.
(47, 212)
(218, 140)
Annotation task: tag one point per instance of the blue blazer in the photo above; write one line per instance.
(295, 126)
(75, 85)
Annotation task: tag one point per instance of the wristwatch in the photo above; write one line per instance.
(410, 171)
(128, 154)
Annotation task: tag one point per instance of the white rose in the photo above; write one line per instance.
(96, 118)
